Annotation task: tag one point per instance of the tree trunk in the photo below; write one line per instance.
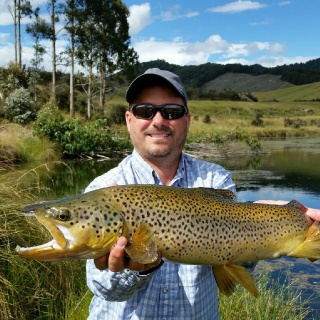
(89, 94)
(15, 19)
(72, 111)
(54, 63)
(102, 91)
(19, 35)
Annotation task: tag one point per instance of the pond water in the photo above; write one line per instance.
(285, 170)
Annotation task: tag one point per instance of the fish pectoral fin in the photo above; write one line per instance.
(229, 275)
(143, 248)
(310, 247)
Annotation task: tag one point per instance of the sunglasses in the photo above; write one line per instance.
(168, 111)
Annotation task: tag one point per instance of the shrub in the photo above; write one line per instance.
(18, 107)
(74, 137)
(295, 123)
(116, 113)
(207, 119)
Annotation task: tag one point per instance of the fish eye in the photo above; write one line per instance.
(64, 215)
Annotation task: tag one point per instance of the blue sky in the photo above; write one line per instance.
(189, 32)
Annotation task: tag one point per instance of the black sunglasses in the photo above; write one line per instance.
(168, 111)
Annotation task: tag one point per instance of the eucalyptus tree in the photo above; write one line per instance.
(102, 43)
(36, 30)
(68, 8)
(42, 29)
(18, 9)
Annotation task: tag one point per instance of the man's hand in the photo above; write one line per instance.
(117, 260)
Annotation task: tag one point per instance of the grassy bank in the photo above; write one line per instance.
(19, 145)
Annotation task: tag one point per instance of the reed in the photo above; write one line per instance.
(279, 302)
(32, 289)
(18, 144)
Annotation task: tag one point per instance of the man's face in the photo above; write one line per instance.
(158, 138)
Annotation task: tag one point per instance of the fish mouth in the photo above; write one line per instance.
(53, 250)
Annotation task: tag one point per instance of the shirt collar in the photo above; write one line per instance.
(151, 177)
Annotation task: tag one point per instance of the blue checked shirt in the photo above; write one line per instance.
(174, 291)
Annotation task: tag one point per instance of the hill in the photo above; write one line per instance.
(307, 92)
(198, 76)
(243, 82)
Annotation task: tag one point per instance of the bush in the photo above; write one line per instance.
(74, 137)
(207, 119)
(116, 114)
(18, 107)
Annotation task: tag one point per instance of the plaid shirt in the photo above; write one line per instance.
(175, 291)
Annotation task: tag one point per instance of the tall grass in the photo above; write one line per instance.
(32, 289)
(18, 144)
(280, 302)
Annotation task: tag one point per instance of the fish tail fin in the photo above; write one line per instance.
(229, 275)
(310, 247)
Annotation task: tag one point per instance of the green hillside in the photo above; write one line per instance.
(243, 82)
(307, 92)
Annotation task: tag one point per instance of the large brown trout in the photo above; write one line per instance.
(193, 226)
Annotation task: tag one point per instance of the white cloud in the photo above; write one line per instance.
(140, 17)
(261, 23)
(272, 61)
(238, 6)
(192, 53)
(284, 3)
(174, 13)
(4, 37)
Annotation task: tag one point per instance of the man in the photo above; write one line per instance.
(158, 122)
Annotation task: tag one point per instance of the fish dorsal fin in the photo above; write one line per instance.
(143, 248)
(229, 275)
(221, 194)
(297, 205)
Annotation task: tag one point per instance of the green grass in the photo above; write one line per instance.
(226, 116)
(17, 143)
(32, 289)
(279, 302)
(303, 92)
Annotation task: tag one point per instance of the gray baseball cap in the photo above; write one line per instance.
(155, 75)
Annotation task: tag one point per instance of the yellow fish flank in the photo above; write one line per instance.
(198, 226)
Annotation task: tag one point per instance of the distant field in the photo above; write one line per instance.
(295, 93)
(223, 117)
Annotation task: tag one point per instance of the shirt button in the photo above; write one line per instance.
(165, 290)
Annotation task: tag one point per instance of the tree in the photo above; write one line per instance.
(41, 29)
(69, 12)
(102, 43)
(18, 10)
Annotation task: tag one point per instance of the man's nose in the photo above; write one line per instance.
(158, 118)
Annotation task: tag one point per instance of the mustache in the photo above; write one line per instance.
(158, 129)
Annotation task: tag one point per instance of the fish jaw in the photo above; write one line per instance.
(51, 251)
(62, 247)
(76, 235)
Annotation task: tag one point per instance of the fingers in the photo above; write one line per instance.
(314, 214)
(117, 260)
(102, 262)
